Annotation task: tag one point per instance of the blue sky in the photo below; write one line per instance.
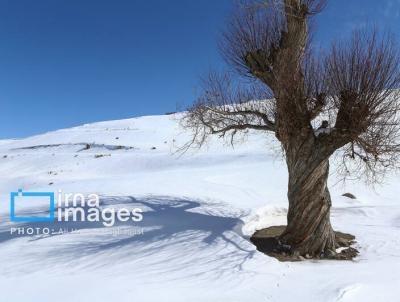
(69, 62)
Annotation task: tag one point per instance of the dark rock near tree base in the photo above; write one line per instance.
(349, 195)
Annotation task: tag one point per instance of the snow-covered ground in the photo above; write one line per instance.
(199, 209)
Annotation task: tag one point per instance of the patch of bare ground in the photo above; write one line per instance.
(267, 241)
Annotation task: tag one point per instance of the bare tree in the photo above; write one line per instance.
(350, 90)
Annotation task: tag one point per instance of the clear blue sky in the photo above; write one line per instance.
(68, 62)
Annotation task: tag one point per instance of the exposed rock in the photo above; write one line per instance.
(349, 195)
(101, 155)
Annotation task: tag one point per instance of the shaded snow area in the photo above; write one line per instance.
(198, 210)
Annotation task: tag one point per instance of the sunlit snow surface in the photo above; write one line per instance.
(199, 209)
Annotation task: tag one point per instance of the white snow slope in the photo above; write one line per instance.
(199, 210)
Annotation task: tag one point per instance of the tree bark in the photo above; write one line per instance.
(308, 230)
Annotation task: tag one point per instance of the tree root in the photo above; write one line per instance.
(267, 242)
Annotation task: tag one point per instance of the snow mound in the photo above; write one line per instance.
(265, 217)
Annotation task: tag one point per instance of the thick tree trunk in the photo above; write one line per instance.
(309, 231)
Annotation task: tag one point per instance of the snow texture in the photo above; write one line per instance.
(199, 209)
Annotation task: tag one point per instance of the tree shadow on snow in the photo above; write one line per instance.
(167, 222)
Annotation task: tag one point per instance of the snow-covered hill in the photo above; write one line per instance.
(199, 209)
